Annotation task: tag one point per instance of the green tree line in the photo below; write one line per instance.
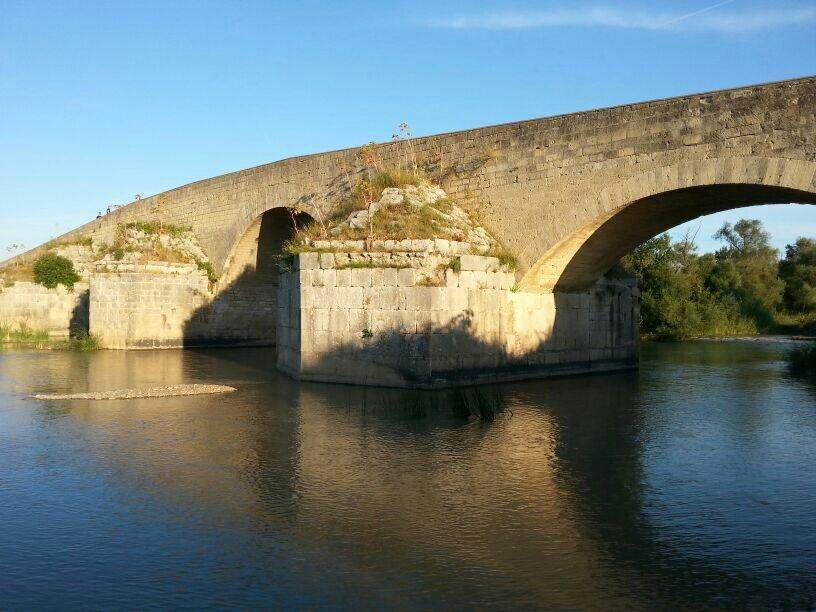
(743, 288)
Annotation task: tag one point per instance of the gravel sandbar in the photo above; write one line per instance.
(167, 391)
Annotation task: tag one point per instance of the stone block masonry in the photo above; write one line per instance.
(341, 318)
(568, 195)
(145, 306)
(377, 326)
(59, 312)
(171, 305)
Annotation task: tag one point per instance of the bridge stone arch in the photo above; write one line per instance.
(628, 212)
(544, 186)
(245, 307)
(260, 243)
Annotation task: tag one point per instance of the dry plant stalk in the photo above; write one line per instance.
(13, 250)
(158, 210)
(368, 194)
(369, 158)
(317, 204)
(405, 130)
(294, 211)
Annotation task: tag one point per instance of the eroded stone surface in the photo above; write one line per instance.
(455, 231)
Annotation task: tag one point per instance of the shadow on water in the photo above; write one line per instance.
(483, 402)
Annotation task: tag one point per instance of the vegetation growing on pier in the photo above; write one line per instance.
(395, 201)
(51, 270)
(155, 228)
(151, 241)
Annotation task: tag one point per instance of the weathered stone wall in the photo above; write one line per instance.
(173, 305)
(242, 309)
(549, 185)
(417, 325)
(59, 312)
(145, 306)
(163, 305)
(376, 326)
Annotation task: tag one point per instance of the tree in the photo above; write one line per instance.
(683, 294)
(744, 238)
(675, 301)
(798, 271)
(737, 290)
(750, 266)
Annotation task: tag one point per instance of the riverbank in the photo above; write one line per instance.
(24, 337)
(772, 338)
(795, 326)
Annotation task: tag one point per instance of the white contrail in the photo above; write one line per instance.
(695, 13)
(601, 16)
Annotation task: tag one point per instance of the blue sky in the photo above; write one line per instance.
(103, 100)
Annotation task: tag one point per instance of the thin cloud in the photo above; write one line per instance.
(711, 18)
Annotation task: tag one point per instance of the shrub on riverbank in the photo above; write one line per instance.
(51, 270)
(736, 291)
(83, 342)
(24, 336)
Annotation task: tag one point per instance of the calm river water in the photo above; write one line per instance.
(691, 483)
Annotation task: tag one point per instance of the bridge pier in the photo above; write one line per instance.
(377, 326)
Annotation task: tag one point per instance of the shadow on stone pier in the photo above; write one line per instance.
(583, 333)
(79, 324)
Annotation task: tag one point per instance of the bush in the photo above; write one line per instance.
(51, 270)
(84, 342)
(154, 228)
(798, 270)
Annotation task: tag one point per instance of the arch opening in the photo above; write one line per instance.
(578, 261)
(244, 309)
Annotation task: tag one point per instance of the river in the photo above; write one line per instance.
(690, 483)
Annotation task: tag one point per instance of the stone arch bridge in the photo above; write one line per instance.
(569, 195)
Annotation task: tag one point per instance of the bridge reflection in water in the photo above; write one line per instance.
(605, 491)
